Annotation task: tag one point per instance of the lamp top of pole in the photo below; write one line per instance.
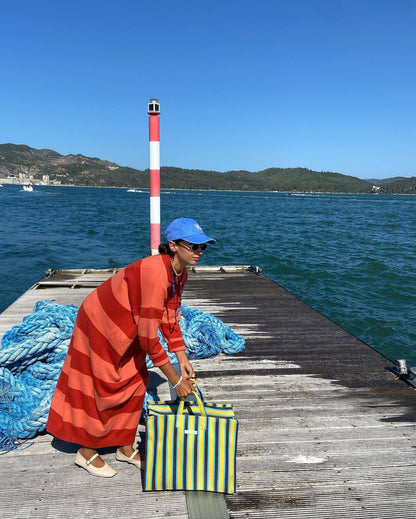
(153, 107)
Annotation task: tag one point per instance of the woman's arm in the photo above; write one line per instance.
(187, 371)
(185, 388)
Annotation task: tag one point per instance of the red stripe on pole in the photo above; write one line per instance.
(154, 129)
(155, 182)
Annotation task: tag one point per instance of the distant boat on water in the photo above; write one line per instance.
(27, 187)
(133, 190)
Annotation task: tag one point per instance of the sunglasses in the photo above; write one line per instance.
(194, 246)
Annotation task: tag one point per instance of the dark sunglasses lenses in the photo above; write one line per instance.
(197, 246)
(194, 246)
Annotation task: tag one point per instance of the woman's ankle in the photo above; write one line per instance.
(127, 450)
(88, 453)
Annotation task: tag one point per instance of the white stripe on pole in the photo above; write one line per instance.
(154, 154)
(155, 209)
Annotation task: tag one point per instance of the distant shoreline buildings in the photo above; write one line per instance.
(25, 178)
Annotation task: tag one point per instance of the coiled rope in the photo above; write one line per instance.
(32, 355)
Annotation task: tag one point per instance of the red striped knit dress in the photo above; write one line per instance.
(100, 392)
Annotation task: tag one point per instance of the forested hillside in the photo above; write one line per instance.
(19, 162)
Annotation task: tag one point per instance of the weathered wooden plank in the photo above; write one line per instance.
(206, 505)
(311, 475)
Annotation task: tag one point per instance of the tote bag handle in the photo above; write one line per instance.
(180, 418)
(197, 389)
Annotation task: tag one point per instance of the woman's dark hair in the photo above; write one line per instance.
(165, 249)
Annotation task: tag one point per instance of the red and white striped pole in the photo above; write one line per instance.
(154, 141)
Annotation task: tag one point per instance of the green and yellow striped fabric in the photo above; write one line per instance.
(191, 446)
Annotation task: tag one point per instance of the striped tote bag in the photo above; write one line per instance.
(191, 446)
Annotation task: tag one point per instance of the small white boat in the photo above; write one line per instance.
(133, 190)
(27, 187)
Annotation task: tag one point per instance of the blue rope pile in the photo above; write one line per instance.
(205, 336)
(32, 355)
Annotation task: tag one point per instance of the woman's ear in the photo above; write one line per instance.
(173, 246)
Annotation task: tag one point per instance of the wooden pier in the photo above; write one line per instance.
(326, 429)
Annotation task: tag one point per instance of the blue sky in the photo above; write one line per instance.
(243, 84)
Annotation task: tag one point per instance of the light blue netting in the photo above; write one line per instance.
(32, 355)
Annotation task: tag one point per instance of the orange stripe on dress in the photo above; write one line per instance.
(120, 316)
(86, 337)
(114, 335)
(120, 289)
(100, 427)
(83, 405)
(68, 432)
(90, 381)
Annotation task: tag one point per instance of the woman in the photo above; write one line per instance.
(99, 395)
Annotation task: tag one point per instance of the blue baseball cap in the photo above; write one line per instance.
(189, 230)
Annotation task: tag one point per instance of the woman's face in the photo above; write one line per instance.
(185, 254)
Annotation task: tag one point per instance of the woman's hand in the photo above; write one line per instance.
(184, 389)
(187, 371)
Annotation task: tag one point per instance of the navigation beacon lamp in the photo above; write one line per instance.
(154, 141)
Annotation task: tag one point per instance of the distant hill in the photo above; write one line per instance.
(16, 159)
(18, 162)
(407, 186)
(381, 181)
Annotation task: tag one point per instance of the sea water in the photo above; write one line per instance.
(352, 257)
